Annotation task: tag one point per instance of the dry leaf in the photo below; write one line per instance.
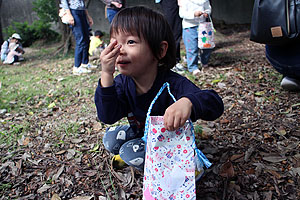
(227, 170)
(55, 197)
(274, 159)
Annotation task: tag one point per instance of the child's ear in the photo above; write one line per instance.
(163, 49)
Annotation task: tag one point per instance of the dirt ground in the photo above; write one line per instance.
(254, 146)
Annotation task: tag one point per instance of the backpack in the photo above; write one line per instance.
(275, 22)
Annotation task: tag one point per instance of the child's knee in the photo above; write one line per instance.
(133, 153)
(115, 137)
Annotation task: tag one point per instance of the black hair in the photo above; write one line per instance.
(98, 33)
(149, 25)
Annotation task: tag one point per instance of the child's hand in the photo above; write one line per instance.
(199, 13)
(177, 114)
(108, 60)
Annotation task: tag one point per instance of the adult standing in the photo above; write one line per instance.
(113, 7)
(170, 9)
(80, 22)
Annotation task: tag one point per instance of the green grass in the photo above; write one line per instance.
(40, 85)
(13, 134)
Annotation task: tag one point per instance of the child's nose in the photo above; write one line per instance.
(122, 49)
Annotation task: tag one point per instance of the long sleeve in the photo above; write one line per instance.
(110, 103)
(115, 102)
(188, 8)
(207, 104)
(4, 49)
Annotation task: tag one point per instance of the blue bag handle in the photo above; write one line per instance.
(200, 155)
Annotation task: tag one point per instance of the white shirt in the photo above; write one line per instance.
(187, 9)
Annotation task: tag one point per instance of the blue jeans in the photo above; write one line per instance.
(190, 39)
(111, 14)
(285, 59)
(81, 34)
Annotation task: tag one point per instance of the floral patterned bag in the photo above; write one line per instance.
(170, 160)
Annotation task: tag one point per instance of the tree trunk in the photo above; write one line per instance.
(1, 36)
(66, 39)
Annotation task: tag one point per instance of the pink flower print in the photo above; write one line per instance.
(156, 169)
(154, 130)
(159, 188)
(155, 148)
(179, 146)
(163, 130)
(188, 138)
(185, 151)
(187, 196)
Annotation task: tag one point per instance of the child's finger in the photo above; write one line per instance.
(110, 46)
(176, 123)
(169, 122)
(110, 51)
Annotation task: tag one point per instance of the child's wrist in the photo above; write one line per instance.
(107, 79)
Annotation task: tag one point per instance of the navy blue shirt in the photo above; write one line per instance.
(117, 101)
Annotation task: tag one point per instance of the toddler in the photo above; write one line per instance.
(192, 13)
(143, 49)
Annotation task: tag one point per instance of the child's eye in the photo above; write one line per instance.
(131, 42)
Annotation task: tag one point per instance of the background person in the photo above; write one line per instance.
(96, 44)
(171, 12)
(15, 38)
(80, 22)
(286, 60)
(194, 12)
(113, 7)
(13, 55)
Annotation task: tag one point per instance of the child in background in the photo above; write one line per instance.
(192, 13)
(143, 50)
(96, 45)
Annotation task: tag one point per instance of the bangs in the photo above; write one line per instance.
(129, 21)
(148, 25)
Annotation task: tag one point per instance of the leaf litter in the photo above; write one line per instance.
(254, 146)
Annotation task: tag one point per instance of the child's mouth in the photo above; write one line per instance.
(123, 62)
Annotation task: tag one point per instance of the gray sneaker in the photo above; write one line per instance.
(88, 66)
(290, 84)
(80, 70)
(179, 68)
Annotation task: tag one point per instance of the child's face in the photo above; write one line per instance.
(135, 58)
